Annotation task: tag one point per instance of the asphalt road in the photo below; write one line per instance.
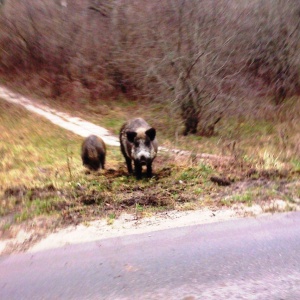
(241, 259)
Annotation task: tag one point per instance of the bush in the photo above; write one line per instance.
(198, 58)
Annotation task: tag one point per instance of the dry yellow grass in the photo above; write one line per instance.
(41, 171)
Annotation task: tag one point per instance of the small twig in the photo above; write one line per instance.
(69, 164)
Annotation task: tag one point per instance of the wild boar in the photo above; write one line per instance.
(138, 144)
(93, 152)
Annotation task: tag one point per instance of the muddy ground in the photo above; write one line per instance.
(153, 202)
(186, 189)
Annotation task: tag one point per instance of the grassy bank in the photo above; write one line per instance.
(41, 172)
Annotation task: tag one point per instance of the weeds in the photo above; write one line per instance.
(42, 175)
(195, 173)
(111, 218)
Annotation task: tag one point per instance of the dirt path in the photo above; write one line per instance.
(76, 125)
(126, 224)
(64, 120)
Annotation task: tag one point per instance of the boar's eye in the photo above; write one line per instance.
(131, 136)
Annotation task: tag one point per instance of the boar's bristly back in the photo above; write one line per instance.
(93, 152)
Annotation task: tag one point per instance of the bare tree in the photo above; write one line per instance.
(184, 62)
(195, 58)
(274, 54)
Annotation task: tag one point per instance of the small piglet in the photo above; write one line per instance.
(138, 144)
(93, 151)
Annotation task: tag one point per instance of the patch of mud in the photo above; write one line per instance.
(220, 181)
(16, 191)
(92, 207)
(19, 192)
(268, 174)
(83, 205)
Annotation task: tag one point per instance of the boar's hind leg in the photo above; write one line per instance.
(102, 161)
(138, 169)
(85, 159)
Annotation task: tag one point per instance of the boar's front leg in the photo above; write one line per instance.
(149, 170)
(138, 169)
(129, 165)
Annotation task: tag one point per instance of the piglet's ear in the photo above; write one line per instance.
(130, 136)
(151, 133)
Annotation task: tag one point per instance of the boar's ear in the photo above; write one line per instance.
(151, 133)
(131, 135)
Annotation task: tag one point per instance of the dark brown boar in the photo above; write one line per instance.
(138, 144)
(93, 152)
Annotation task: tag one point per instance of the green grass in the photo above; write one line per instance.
(296, 164)
(247, 198)
(41, 173)
(270, 139)
(195, 173)
(34, 151)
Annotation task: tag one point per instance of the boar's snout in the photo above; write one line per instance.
(144, 160)
(143, 155)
